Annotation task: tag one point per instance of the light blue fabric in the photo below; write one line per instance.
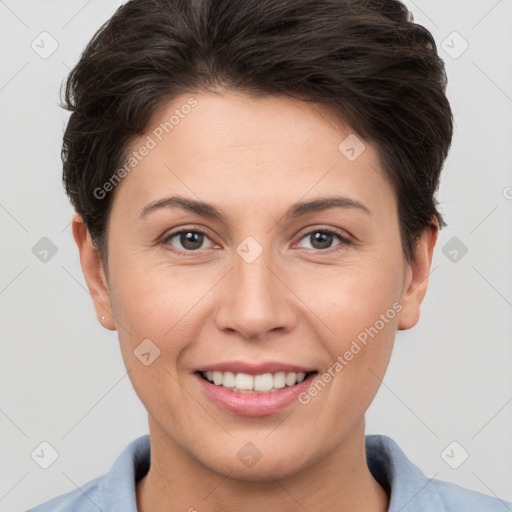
(411, 490)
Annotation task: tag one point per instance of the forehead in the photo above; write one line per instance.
(229, 147)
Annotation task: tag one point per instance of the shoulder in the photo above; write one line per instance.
(113, 491)
(84, 499)
(453, 497)
(411, 490)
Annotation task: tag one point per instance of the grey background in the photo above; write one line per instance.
(62, 377)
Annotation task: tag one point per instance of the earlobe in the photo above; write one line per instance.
(416, 278)
(92, 267)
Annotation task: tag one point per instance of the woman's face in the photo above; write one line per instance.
(266, 283)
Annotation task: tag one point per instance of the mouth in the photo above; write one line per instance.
(255, 384)
(259, 390)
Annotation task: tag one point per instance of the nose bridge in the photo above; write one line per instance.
(252, 273)
(256, 301)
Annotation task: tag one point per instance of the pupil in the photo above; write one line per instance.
(191, 240)
(324, 239)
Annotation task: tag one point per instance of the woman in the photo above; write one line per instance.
(254, 186)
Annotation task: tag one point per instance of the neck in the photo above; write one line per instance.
(341, 482)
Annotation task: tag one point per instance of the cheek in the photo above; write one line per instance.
(156, 307)
(362, 315)
(152, 297)
(353, 298)
(166, 305)
(360, 307)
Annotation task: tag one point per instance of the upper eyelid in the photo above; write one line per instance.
(335, 231)
(344, 236)
(172, 234)
(306, 231)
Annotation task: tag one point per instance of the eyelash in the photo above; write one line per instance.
(344, 241)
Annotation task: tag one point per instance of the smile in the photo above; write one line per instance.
(248, 389)
(252, 384)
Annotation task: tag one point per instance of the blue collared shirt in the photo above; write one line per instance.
(411, 490)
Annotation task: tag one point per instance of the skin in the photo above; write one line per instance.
(298, 302)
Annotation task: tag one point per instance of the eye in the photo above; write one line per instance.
(321, 239)
(191, 240)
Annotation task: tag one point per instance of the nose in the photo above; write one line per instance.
(256, 299)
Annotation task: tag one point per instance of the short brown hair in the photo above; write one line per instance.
(366, 60)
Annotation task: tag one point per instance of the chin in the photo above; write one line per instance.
(259, 468)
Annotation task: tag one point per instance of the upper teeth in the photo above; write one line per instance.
(246, 382)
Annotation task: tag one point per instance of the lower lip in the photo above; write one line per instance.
(252, 404)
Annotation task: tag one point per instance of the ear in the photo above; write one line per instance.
(94, 274)
(416, 277)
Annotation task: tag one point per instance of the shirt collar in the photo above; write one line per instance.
(118, 486)
(399, 476)
(386, 461)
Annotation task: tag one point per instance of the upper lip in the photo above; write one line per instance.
(254, 368)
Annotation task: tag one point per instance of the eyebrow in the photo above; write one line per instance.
(210, 211)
